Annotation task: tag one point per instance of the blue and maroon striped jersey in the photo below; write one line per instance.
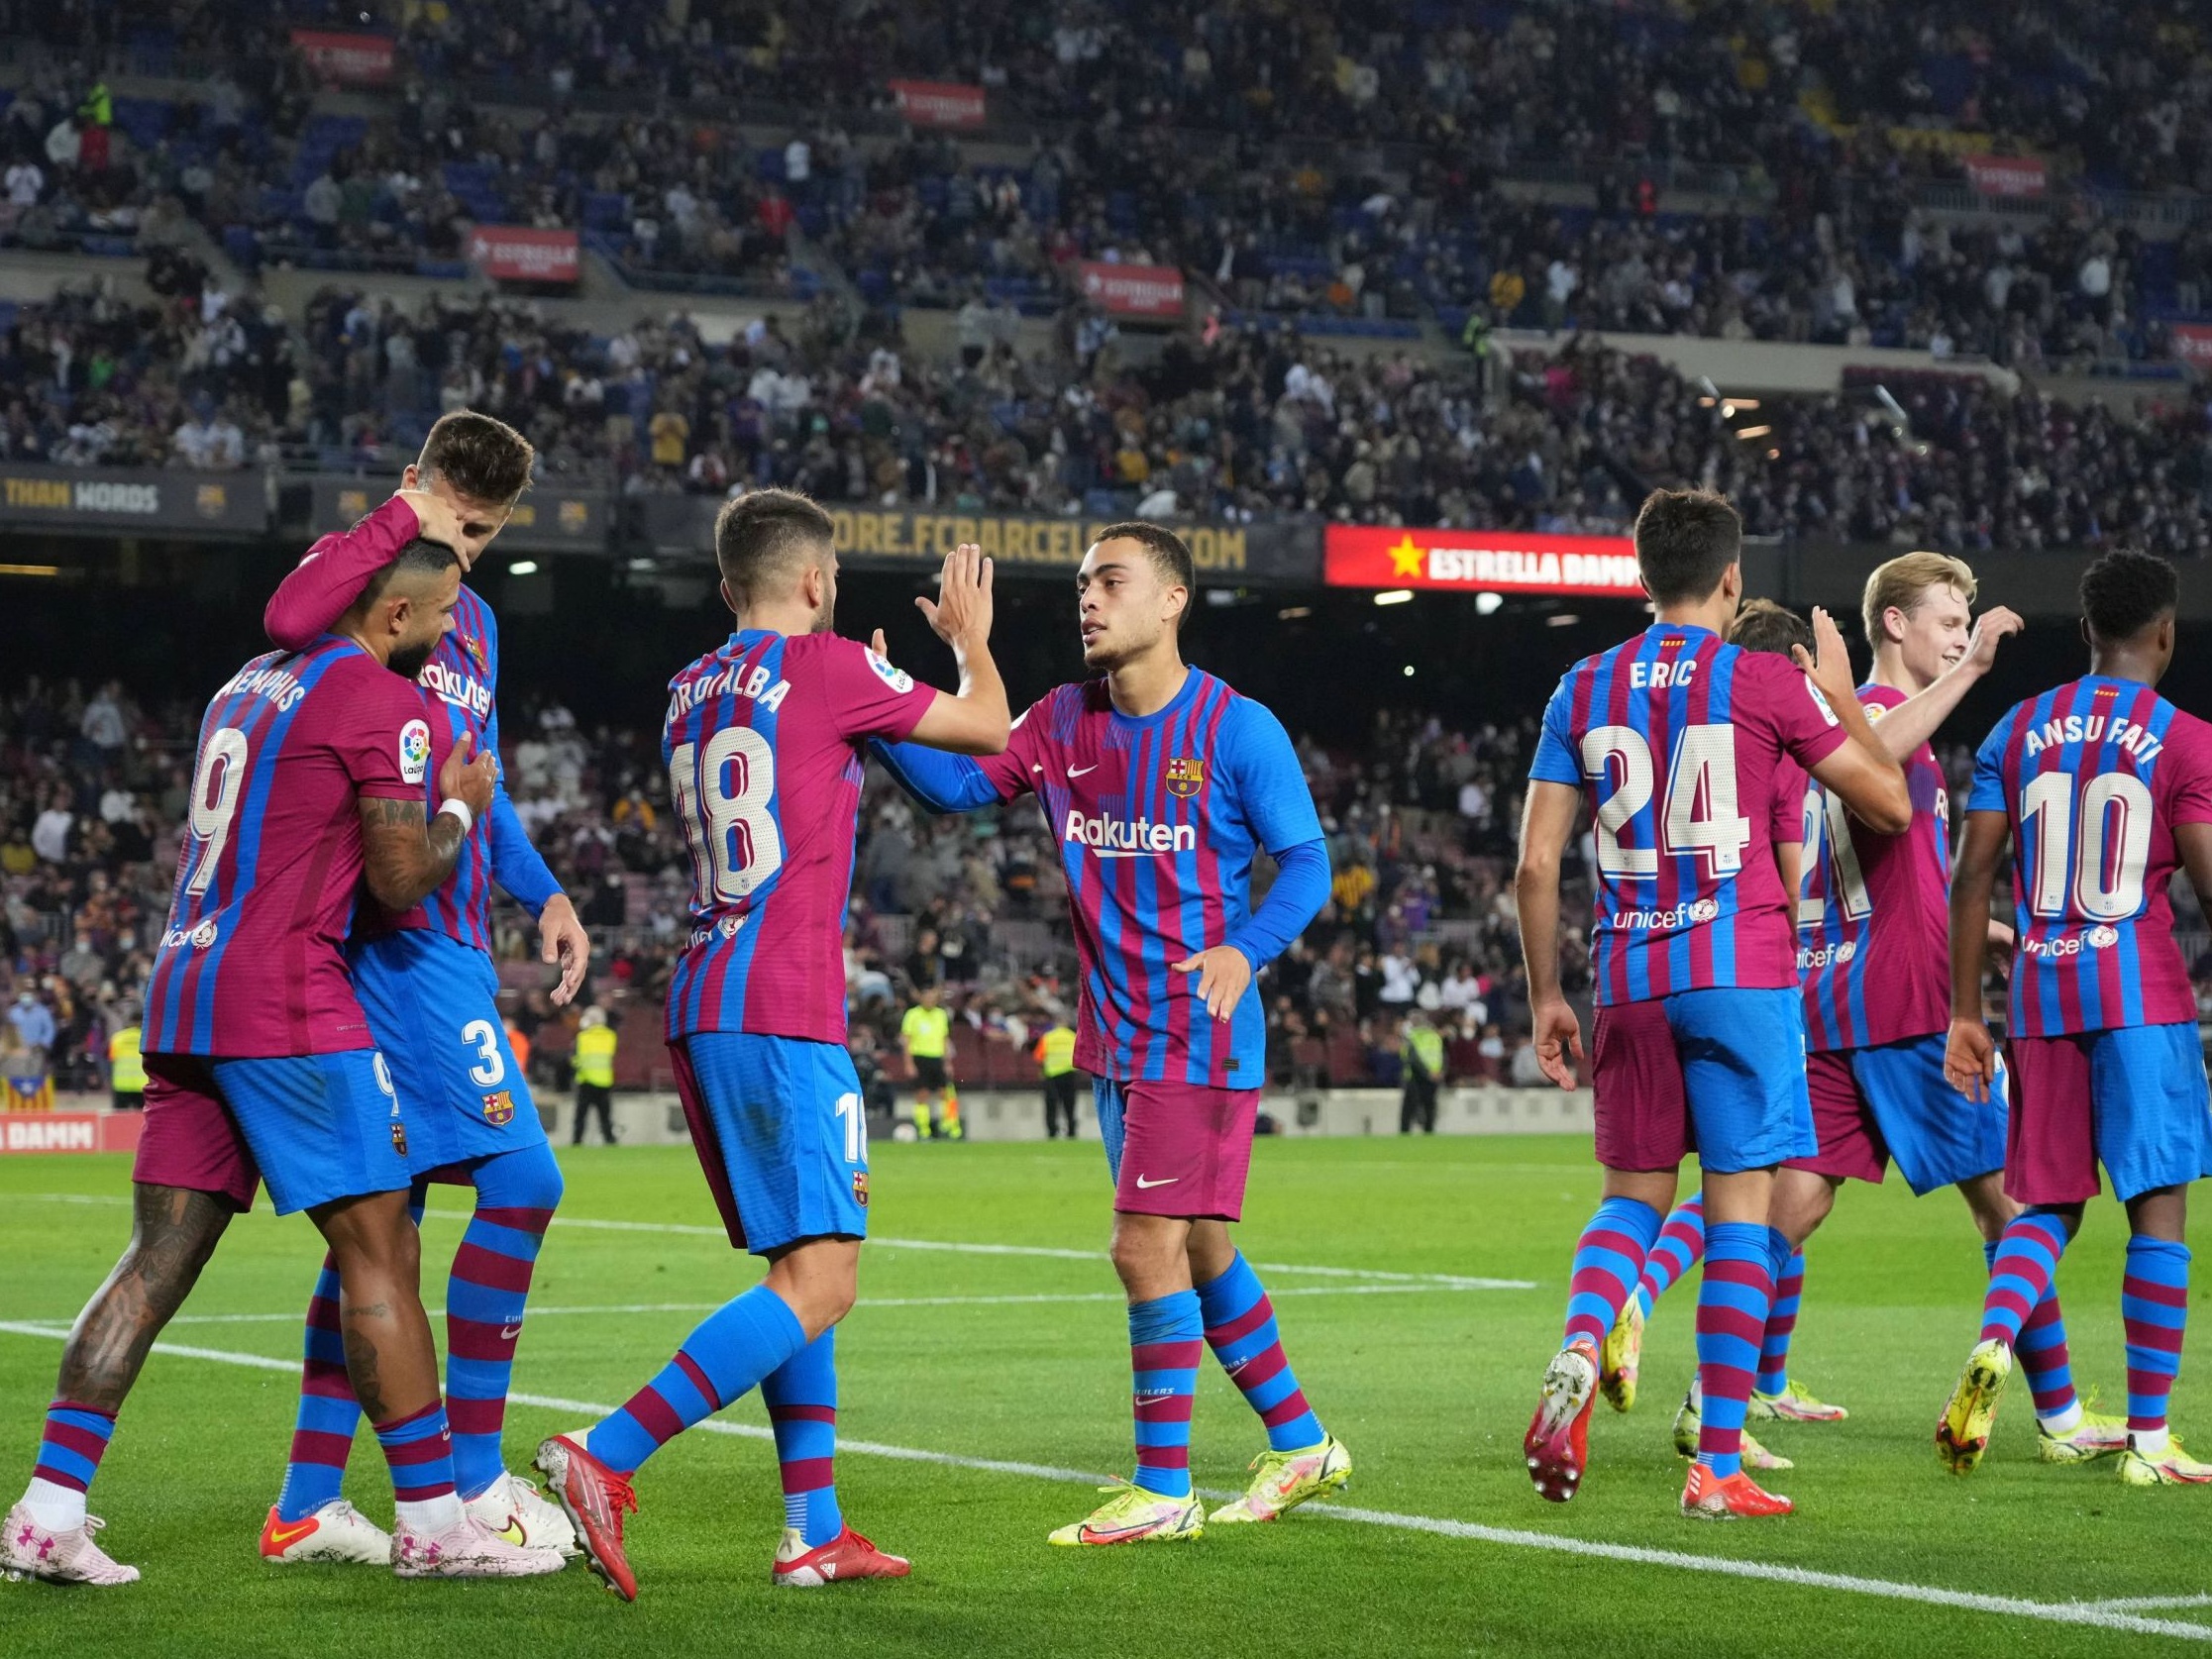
(2093, 778)
(1873, 911)
(251, 963)
(763, 742)
(1679, 737)
(1158, 819)
(464, 677)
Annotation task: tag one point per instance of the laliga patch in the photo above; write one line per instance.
(860, 1187)
(899, 680)
(414, 751)
(1820, 702)
(498, 1110)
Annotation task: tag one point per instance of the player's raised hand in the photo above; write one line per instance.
(562, 939)
(438, 520)
(467, 781)
(1558, 1035)
(1225, 974)
(961, 612)
(878, 644)
(1996, 623)
(1829, 666)
(1971, 1059)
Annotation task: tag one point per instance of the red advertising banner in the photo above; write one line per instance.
(69, 1131)
(518, 254)
(350, 59)
(939, 103)
(1502, 561)
(1133, 290)
(2006, 175)
(2192, 344)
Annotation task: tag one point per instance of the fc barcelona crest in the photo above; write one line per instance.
(1186, 776)
(476, 653)
(399, 1138)
(860, 1187)
(498, 1110)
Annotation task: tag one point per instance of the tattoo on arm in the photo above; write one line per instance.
(404, 859)
(174, 1233)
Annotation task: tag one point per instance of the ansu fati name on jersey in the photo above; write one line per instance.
(2128, 736)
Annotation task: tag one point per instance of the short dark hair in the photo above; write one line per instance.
(487, 459)
(1684, 540)
(1763, 625)
(421, 557)
(764, 539)
(1169, 553)
(2125, 591)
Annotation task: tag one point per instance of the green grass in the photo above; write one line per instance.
(1429, 1386)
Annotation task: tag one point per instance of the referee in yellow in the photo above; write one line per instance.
(1055, 1056)
(593, 1064)
(126, 1067)
(925, 1034)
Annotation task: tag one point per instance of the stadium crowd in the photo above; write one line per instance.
(1157, 135)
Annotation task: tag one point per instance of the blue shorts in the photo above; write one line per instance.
(1718, 1072)
(432, 1004)
(781, 1133)
(2133, 1099)
(1872, 1105)
(321, 1126)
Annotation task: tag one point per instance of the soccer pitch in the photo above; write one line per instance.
(985, 1382)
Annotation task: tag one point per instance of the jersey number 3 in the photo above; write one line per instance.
(735, 844)
(1700, 813)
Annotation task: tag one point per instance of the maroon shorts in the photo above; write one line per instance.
(1852, 1144)
(1638, 1098)
(188, 1139)
(1177, 1148)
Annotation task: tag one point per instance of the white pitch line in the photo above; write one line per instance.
(864, 1302)
(2137, 1604)
(954, 1246)
(2099, 1615)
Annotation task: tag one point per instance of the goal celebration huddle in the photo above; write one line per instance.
(1789, 961)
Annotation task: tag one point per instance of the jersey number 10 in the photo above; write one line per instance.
(2109, 856)
(735, 844)
(1701, 815)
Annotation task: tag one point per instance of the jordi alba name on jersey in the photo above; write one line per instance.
(2094, 777)
(1679, 737)
(763, 742)
(1873, 913)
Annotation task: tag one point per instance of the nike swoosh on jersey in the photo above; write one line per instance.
(1144, 1186)
(1080, 772)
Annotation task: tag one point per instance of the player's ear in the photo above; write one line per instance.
(728, 599)
(410, 476)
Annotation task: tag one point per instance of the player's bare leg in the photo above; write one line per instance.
(174, 1233)
(393, 1368)
(1301, 1460)
(1557, 1444)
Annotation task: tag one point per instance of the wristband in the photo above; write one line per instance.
(459, 809)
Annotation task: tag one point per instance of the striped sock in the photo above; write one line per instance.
(419, 1449)
(516, 1193)
(2020, 1276)
(1608, 1259)
(2153, 1309)
(733, 1348)
(1732, 1314)
(1239, 1325)
(2042, 1355)
(1787, 1264)
(1163, 1349)
(322, 1431)
(1681, 1246)
(68, 1457)
(801, 1400)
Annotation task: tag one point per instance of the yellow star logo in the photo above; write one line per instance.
(1405, 558)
